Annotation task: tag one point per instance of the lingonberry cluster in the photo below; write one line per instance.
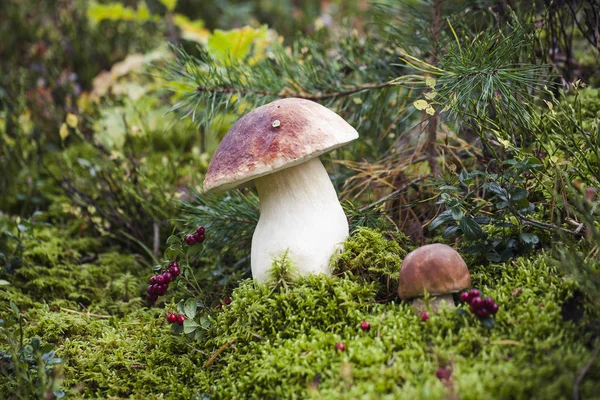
(160, 283)
(172, 318)
(196, 237)
(482, 308)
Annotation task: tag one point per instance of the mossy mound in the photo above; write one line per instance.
(280, 343)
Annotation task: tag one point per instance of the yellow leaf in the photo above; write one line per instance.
(357, 100)
(429, 110)
(430, 95)
(505, 143)
(63, 132)
(430, 82)
(421, 105)
(550, 106)
(169, 4)
(72, 120)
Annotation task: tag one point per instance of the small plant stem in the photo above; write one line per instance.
(87, 314)
(583, 372)
(393, 194)
(216, 353)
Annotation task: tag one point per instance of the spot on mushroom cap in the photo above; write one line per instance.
(275, 136)
(437, 268)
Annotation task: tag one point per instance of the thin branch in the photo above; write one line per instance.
(221, 349)
(583, 372)
(87, 314)
(393, 194)
(540, 224)
(323, 96)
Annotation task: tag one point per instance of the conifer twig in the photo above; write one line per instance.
(285, 94)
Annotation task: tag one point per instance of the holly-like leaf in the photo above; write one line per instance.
(471, 229)
(440, 219)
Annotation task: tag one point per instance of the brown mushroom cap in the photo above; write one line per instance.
(437, 268)
(275, 136)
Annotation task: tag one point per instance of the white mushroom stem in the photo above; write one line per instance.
(299, 212)
(435, 303)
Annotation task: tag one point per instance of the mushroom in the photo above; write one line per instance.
(277, 147)
(437, 268)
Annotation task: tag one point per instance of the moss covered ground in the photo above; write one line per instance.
(280, 342)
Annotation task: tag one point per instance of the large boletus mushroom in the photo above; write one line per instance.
(277, 146)
(436, 268)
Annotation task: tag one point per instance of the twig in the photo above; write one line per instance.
(583, 372)
(540, 224)
(393, 194)
(87, 314)
(315, 97)
(221, 349)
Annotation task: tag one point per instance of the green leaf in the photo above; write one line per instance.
(518, 194)
(471, 229)
(189, 326)
(488, 322)
(14, 308)
(457, 213)
(189, 309)
(204, 322)
(235, 43)
(449, 187)
(440, 219)
(450, 231)
(529, 238)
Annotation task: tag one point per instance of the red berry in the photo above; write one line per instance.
(474, 293)
(340, 346)
(173, 264)
(227, 301)
(487, 302)
(464, 296)
(482, 313)
(153, 279)
(168, 277)
(152, 297)
(199, 237)
(200, 230)
(493, 308)
(172, 318)
(150, 289)
(477, 302)
(365, 326)
(160, 289)
(424, 316)
(472, 308)
(180, 319)
(175, 271)
(160, 279)
(443, 373)
(190, 239)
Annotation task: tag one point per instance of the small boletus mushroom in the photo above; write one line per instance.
(277, 146)
(436, 268)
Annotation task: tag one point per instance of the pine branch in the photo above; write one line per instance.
(315, 97)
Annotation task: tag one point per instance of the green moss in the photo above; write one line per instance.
(373, 256)
(279, 342)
